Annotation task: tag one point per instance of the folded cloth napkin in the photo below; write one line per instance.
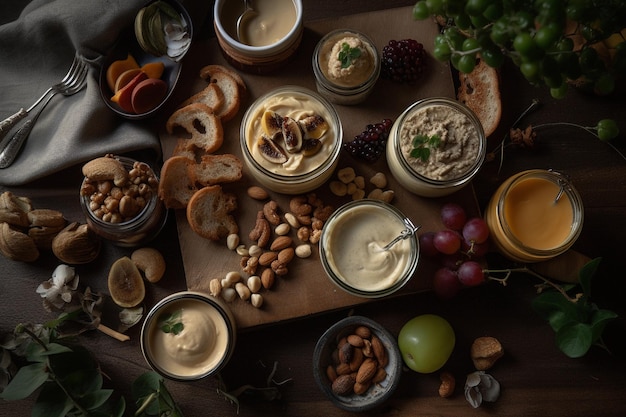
(38, 40)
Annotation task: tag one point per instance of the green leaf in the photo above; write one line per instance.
(25, 382)
(555, 308)
(422, 145)
(575, 339)
(52, 402)
(586, 274)
(599, 320)
(348, 55)
(95, 399)
(37, 353)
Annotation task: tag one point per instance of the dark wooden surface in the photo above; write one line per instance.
(536, 378)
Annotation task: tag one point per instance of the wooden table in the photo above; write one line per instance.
(536, 378)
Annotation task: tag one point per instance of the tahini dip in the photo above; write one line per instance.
(354, 241)
(459, 142)
(201, 345)
(271, 23)
(347, 72)
(298, 106)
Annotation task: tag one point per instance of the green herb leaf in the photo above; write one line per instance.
(574, 339)
(422, 146)
(586, 274)
(25, 382)
(171, 322)
(348, 55)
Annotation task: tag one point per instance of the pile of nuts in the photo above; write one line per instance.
(358, 363)
(116, 194)
(272, 250)
(349, 183)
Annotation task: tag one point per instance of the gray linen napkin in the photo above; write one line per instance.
(38, 40)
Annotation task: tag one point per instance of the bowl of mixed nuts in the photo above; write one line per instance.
(357, 364)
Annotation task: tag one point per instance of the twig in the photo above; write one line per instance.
(113, 333)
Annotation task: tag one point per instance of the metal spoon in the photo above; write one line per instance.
(248, 12)
(405, 234)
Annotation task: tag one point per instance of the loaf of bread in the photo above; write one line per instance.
(208, 213)
(201, 123)
(480, 91)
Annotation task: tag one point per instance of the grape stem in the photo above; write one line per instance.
(529, 271)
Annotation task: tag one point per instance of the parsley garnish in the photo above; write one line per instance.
(422, 145)
(171, 323)
(348, 55)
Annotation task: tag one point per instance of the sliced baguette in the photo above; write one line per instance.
(208, 213)
(206, 73)
(211, 95)
(480, 91)
(217, 169)
(176, 187)
(204, 126)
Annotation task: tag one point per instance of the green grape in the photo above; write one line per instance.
(476, 7)
(590, 63)
(421, 11)
(462, 21)
(526, 46)
(501, 31)
(435, 6)
(479, 21)
(565, 45)
(492, 57)
(577, 9)
(607, 129)
(466, 63)
(493, 12)
(454, 7)
(470, 44)
(455, 37)
(604, 84)
(547, 35)
(560, 91)
(531, 70)
(426, 343)
(442, 52)
(524, 20)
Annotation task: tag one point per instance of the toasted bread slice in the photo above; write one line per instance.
(480, 91)
(207, 71)
(176, 186)
(204, 126)
(211, 95)
(217, 169)
(232, 95)
(208, 213)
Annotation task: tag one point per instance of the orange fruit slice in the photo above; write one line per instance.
(117, 67)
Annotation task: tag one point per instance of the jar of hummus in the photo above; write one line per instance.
(188, 336)
(351, 248)
(127, 215)
(270, 36)
(435, 147)
(346, 65)
(534, 216)
(291, 140)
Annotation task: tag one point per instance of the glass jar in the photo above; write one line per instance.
(351, 248)
(250, 57)
(352, 88)
(129, 232)
(300, 173)
(438, 170)
(203, 346)
(535, 215)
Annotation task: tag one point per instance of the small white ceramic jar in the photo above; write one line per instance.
(351, 248)
(272, 35)
(188, 336)
(535, 215)
(300, 171)
(339, 78)
(435, 147)
(102, 203)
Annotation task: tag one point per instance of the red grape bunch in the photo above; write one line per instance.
(460, 248)
(370, 144)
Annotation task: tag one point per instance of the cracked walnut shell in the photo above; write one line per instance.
(485, 351)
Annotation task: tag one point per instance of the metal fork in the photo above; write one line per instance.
(71, 84)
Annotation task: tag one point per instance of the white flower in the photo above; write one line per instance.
(57, 291)
(480, 387)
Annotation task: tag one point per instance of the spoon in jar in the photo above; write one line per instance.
(248, 12)
(405, 234)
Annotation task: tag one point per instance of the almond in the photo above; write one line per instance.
(355, 340)
(366, 371)
(379, 351)
(281, 242)
(361, 387)
(267, 278)
(267, 258)
(363, 331)
(257, 193)
(357, 359)
(286, 255)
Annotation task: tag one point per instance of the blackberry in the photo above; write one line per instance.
(403, 61)
(370, 144)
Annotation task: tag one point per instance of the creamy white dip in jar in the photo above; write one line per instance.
(436, 147)
(188, 336)
(351, 249)
(300, 169)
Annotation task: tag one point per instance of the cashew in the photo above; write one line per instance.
(376, 194)
(232, 241)
(448, 383)
(303, 250)
(338, 188)
(270, 210)
(106, 168)
(346, 175)
(150, 262)
(215, 287)
(282, 229)
(379, 180)
(262, 231)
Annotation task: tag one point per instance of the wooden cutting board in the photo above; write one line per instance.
(306, 290)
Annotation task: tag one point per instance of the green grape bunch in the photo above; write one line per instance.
(554, 43)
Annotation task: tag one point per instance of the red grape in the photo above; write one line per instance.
(471, 273)
(446, 283)
(475, 230)
(453, 216)
(447, 241)
(453, 261)
(427, 246)
(475, 250)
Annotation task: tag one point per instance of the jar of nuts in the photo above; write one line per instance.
(119, 198)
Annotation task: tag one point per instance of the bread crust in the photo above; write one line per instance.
(208, 213)
(210, 138)
(480, 91)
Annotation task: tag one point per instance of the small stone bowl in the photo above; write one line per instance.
(323, 357)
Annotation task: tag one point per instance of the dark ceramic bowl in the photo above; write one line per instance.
(379, 392)
(127, 44)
